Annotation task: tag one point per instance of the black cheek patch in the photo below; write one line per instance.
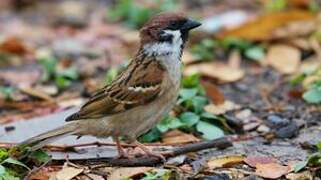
(165, 37)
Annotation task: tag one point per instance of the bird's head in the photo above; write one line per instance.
(167, 28)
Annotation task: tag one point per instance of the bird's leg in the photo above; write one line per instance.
(148, 151)
(121, 151)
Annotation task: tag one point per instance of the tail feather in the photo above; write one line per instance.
(43, 139)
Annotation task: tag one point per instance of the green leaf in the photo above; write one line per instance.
(2, 170)
(70, 73)
(189, 118)
(62, 82)
(297, 79)
(235, 43)
(111, 74)
(198, 103)
(49, 67)
(161, 174)
(3, 154)
(208, 115)
(7, 92)
(299, 166)
(319, 146)
(16, 162)
(314, 6)
(191, 81)
(40, 156)
(175, 123)
(315, 159)
(276, 5)
(255, 53)
(209, 131)
(313, 95)
(187, 93)
(151, 136)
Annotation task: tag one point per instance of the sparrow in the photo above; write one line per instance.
(140, 96)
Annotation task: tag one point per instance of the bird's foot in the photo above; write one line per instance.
(149, 153)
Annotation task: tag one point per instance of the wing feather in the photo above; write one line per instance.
(138, 85)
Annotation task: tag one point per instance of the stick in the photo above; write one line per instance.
(220, 143)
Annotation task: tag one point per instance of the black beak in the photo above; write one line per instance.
(190, 24)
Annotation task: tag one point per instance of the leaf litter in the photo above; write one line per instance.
(231, 67)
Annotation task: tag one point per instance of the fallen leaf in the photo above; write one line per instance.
(67, 173)
(263, 26)
(254, 160)
(305, 175)
(36, 93)
(225, 161)
(40, 175)
(222, 108)
(271, 170)
(13, 45)
(216, 70)
(285, 59)
(234, 59)
(216, 96)
(128, 172)
(295, 29)
(188, 58)
(178, 137)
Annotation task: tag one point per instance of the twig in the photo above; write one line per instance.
(220, 143)
(96, 143)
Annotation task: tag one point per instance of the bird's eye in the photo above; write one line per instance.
(172, 25)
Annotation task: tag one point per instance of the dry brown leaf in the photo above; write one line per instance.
(36, 93)
(13, 45)
(179, 137)
(309, 65)
(67, 173)
(285, 59)
(254, 160)
(224, 161)
(216, 70)
(262, 27)
(306, 175)
(295, 29)
(222, 108)
(234, 59)
(128, 172)
(188, 58)
(271, 170)
(216, 96)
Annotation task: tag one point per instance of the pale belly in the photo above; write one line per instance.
(133, 122)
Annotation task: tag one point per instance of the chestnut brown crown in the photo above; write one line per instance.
(152, 29)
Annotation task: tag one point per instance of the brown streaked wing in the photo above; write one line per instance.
(139, 84)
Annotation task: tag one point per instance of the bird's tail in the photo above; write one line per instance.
(43, 139)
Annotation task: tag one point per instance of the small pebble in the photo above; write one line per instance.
(244, 114)
(263, 129)
(251, 126)
(288, 131)
(276, 121)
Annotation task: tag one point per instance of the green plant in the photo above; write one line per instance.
(313, 160)
(193, 119)
(312, 87)
(62, 78)
(161, 174)
(7, 92)
(207, 48)
(276, 5)
(135, 14)
(313, 93)
(204, 50)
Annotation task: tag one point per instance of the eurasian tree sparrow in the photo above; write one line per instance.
(140, 96)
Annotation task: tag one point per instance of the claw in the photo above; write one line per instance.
(149, 152)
